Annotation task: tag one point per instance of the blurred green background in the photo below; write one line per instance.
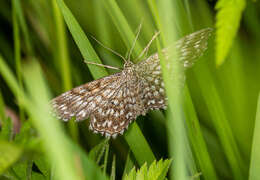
(43, 45)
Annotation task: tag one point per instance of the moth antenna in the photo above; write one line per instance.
(109, 49)
(107, 66)
(135, 40)
(148, 45)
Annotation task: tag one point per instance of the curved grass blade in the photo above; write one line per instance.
(82, 42)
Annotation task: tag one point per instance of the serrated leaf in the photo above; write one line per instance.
(9, 154)
(131, 176)
(228, 19)
(142, 173)
(156, 171)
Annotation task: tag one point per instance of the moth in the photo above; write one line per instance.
(114, 101)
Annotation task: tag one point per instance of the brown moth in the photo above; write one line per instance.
(114, 101)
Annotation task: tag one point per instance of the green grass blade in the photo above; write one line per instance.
(97, 152)
(173, 77)
(106, 158)
(122, 25)
(139, 145)
(113, 169)
(175, 119)
(48, 127)
(9, 77)
(17, 49)
(23, 25)
(197, 140)
(254, 171)
(129, 164)
(155, 13)
(62, 49)
(220, 121)
(2, 108)
(82, 41)
(6, 131)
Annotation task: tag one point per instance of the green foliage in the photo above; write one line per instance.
(210, 129)
(254, 171)
(7, 129)
(228, 18)
(10, 153)
(156, 171)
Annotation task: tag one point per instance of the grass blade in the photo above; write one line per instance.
(254, 172)
(82, 42)
(197, 140)
(139, 145)
(173, 76)
(122, 25)
(113, 169)
(17, 48)
(220, 121)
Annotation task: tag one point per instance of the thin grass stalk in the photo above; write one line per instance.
(254, 171)
(64, 60)
(17, 52)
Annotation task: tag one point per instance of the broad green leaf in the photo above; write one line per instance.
(9, 154)
(229, 14)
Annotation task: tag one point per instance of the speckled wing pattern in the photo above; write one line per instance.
(113, 102)
(189, 49)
